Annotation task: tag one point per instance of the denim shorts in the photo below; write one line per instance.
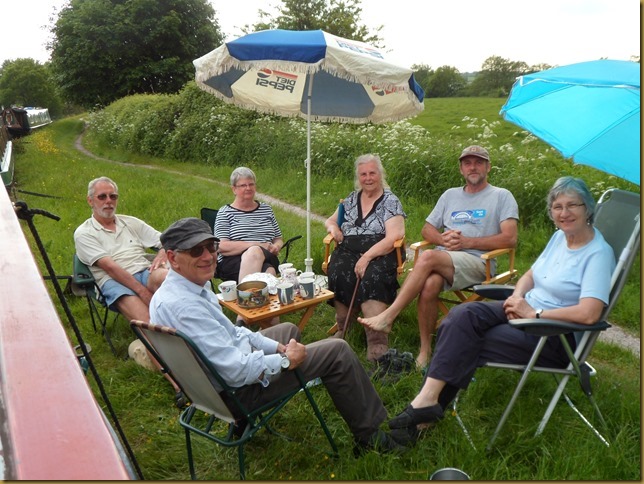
(113, 290)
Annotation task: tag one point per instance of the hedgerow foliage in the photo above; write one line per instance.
(195, 126)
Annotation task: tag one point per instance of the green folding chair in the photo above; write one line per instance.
(204, 387)
(84, 285)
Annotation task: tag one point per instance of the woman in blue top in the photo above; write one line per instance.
(570, 281)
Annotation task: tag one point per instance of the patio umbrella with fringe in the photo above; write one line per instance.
(313, 75)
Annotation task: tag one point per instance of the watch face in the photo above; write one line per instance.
(285, 362)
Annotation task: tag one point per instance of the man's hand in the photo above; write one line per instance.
(452, 240)
(296, 353)
(159, 261)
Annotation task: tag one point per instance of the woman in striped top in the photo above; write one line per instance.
(250, 238)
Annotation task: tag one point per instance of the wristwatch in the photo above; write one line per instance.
(286, 363)
(538, 313)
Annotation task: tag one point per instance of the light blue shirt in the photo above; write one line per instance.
(238, 354)
(563, 276)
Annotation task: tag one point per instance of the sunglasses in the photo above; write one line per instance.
(197, 250)
(103, 196)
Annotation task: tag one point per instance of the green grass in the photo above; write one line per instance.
(47, 163)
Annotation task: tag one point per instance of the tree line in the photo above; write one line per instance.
(103, 50)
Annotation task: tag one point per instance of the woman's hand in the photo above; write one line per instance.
(516, 307)
(273, 248)
(361, 266)
(337, 234)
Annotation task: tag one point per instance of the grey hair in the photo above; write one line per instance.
(101, 179)
(368, 158)
(239, 173)
(568, 185)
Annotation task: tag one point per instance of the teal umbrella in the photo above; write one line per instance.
(589, 111)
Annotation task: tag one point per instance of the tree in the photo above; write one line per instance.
(447, 81)
(497, 76)
(422, 74)
(26, 82)
(106, 49)
(337, 17)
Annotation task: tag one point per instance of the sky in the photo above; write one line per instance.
(456, 33)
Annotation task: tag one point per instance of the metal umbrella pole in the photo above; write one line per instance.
(308, 262)
(27, 214)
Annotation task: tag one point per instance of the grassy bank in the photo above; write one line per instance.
(49, 164)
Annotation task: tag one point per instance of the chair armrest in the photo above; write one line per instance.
(328, 247)
(399, 247)
(495, 253)
(553, 327)
(493, 291)
(416, 246)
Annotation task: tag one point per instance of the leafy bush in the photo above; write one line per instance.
(195, 126)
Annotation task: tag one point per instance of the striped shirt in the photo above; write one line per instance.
(259, 225)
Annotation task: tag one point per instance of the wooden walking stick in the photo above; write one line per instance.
(347, 321)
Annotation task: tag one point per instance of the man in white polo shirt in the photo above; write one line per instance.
(114, 248)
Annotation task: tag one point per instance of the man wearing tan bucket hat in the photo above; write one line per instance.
(258, 363)
(466, 222)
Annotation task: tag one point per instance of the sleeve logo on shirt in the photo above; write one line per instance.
(473, 217)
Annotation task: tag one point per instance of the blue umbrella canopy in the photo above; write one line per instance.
(589, 111)
(312, 74)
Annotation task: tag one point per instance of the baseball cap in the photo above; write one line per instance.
(475, 150)
(186, 233)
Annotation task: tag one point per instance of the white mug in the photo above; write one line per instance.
(282, 267)
(307, 275)
(228, 290)
(308, 288)
(290, 275)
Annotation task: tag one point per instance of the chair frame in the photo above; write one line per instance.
(83, 284)
(197, 378)
(446, 302)
(625, 244)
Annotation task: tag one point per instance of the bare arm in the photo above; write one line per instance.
(394, 230)
(333, 228)
(454, 240)
(586, 311)
(235, 247)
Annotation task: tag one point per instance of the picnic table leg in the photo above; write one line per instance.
(306, 316)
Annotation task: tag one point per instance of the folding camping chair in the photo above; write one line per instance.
(450, 299)
(84, 285)
(204, 387)
(618, 218)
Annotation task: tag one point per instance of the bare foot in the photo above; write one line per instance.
(377, 323)
(423, 359)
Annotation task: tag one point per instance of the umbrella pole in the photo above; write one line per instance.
(308, 262)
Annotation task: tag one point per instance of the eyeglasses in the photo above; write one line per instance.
(197, 250)
(570, 207)
(244, 186)
(103, 196)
